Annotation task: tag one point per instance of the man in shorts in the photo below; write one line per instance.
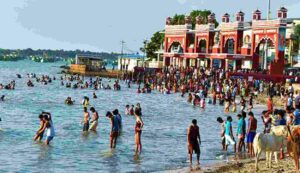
(114, 133)
(194, 140)
(222, 133)
(86, 119)
(229, 138)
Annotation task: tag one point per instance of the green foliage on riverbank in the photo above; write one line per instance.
(41, 55)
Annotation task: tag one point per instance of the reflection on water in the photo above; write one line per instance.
(166, 119)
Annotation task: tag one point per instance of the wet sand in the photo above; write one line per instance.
(243, 166)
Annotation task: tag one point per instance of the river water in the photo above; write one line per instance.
(166, 119)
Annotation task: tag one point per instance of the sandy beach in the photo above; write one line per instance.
(243, 166)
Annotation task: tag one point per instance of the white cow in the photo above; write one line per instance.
(269, 143)
(282, 130)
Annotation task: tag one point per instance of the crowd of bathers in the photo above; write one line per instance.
(202, 86)
(212, 86)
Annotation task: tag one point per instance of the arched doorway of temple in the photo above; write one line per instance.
(202, 46)
(175, 48)
(266, 53)
(229, 46)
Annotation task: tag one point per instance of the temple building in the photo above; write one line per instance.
(259, 44)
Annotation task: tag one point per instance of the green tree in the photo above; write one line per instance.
(153, 45)
(178, 19)
(204, 14)
(297, 35)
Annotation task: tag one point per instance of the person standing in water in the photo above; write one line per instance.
(39, 134)
(131, 110)
(114, 132)
(194, 141)
(229, 138)
(222, 133)
(127, 110)
(119, 118)
(86, 102)
(240, 132)
(50, 132)
(139, 109)
(94, 122)
(48, 126)
(251, 132)
(86, 119)
(138, 132)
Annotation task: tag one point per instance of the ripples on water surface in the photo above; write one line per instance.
(166, 119)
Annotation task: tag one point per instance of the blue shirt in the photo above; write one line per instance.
(119, 118)
(115, 124)
(227, 128)
(240, 126)
(297, 115)
(281, 122)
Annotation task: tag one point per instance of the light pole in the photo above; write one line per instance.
(145, 51)
(269, 10)
(122, 52)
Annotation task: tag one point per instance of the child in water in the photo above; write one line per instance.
(227, 107)
(131, 110)
(234, 107)
(94, 95)
(202, 103)
(127, 110)
(190, 98)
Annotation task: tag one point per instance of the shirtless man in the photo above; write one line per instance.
(194, 140)
(94, 122)
(86, 119)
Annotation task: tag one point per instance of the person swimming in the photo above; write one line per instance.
(2, 98)
(94, 95)
(30, 84)
(69, 101)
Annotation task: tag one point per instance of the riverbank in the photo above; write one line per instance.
(243, 166)
(277, 101)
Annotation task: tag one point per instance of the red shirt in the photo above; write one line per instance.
(270, 105)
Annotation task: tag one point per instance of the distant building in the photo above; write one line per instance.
(292, 46)
(128, 62)
(88, 63)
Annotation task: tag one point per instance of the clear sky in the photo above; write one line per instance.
(100, 25)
